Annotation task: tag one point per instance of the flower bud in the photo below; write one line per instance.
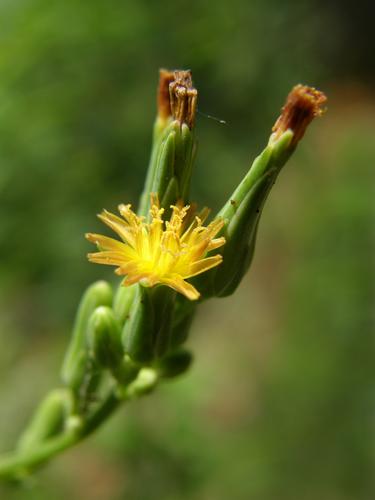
(126, 372)
(174, 146)
(174, 364)
(48, 420)
(74, 364)
(122, 302)
(104, 338)
(242, 214)
(144, 383)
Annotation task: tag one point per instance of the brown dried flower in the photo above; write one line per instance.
(177, 97)
(303, 104)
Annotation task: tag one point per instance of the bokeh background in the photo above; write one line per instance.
(280, 402)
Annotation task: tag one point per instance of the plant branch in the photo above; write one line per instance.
(17, 464)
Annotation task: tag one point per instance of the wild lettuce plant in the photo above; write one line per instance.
(169, 259)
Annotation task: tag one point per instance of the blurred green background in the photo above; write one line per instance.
(280, 403)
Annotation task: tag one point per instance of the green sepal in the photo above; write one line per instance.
(183, 315)
(184, 159)
(164, 168)
(170, 167)
(159, 135)
(163, 299)
(146, 335)
(241, 214)
(48, 419)
(137, 334)
(170, 196)
(160, 125)
(74, 364)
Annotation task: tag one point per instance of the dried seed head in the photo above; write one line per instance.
(176, 96)
(303, 104)
(164, 105)
(183, 97)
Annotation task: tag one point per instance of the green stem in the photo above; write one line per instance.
(18, 463)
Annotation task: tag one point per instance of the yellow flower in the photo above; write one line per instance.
(166, 252)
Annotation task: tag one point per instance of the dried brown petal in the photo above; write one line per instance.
(302, 106)
(164, 106)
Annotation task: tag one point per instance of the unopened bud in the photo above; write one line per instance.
(48, 420)
(144, 383)
(174, 364)
(122, 302)
(74, 365)
(174, 146)
(104, 338)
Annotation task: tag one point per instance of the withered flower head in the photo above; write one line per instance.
(164, 105)
(177, 97)
(303, 104)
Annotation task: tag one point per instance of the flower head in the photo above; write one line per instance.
(303, 104)
(165, 252)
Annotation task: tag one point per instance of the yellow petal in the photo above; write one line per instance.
(216, 243)
(119, 226)
(215, 226)
(109, 257)
(106, 243)
(181, 286)
(203, 265)
(128, 268)
(131, 218)
(131, 280)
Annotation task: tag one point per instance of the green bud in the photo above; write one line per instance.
(243, 209)
(48, 420)
(170, 167)
(104, 338)
(242, 213)
(174, 146)
(126, 372)
(74, 364)
(144, 383)
(174, 364)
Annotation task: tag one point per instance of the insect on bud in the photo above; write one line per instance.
(303, 104)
